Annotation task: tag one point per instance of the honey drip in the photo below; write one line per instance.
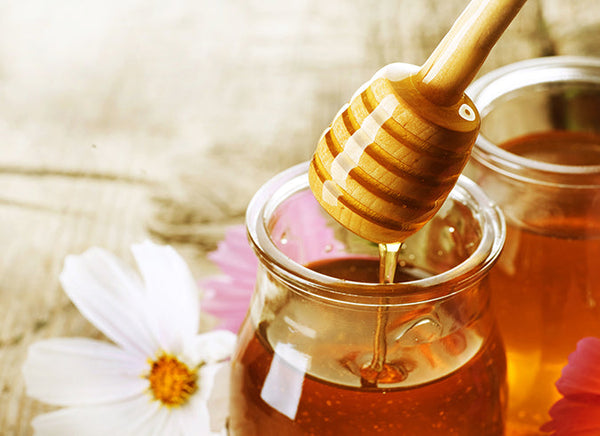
(378, 370)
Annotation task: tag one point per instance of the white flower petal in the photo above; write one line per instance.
(195, 419)
(161, 424)
(179, 425)
(218, 397)
(198, 416)
(110, 296)
(115, 419)
(210, 347)
(77, 371)
(172, 293)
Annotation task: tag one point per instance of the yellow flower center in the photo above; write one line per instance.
(172, 382)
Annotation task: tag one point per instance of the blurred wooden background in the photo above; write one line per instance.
(126, 120)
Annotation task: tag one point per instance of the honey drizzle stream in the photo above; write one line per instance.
(388, 261)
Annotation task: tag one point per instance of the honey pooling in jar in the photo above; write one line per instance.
(548, 269)
(444, 371)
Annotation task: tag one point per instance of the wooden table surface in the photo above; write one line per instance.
(122, 121)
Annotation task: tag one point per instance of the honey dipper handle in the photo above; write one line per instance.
(457, 59)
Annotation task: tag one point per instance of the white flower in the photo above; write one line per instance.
(160, 377)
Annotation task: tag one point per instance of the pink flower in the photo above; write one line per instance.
(300, 232)
(227, 296)
(578, 412)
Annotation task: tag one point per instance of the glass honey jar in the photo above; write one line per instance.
(538, 157)
(318, 318)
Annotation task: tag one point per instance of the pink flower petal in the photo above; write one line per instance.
(227, 299)
(301, 232)
(235, 257)
(575, 416)
(578, 413)
(582, 374)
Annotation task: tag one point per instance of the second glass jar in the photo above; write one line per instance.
(538, 158)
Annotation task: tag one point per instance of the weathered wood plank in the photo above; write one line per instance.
(121, 122)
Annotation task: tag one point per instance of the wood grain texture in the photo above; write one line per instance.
(383, 173)
(121, 122)
(457, 59)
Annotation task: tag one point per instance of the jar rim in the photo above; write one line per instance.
(519, 75)
(307, 281)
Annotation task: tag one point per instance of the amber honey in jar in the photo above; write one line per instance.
(303, 363)
(538, 158)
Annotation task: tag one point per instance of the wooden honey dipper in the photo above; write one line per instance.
(392, 155)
